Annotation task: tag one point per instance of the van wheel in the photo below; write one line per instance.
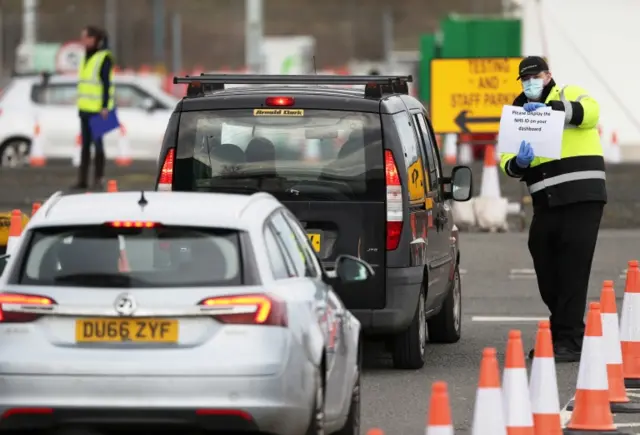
(409, 347)
(446, 326)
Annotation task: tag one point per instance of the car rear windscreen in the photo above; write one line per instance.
(108, 256)
(294, 154)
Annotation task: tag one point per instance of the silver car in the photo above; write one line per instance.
(186, 310)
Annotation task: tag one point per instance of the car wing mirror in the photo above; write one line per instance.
(350, 269)
(460, 185)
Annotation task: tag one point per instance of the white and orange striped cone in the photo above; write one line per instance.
(439, 416)
(36, 154)
(630, 327)
(15, 230)
(488, 411)
(543, 385)
(591, 410)
(77, 152)
(450, 149)
(124, 152)
(491, 209)
(620, 402)
(614, 149)
(515, 391)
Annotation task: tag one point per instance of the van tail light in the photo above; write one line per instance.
(12, 304)
(165, 182)
(257, 309)
(394, 201)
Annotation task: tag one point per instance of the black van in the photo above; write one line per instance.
(358, 167)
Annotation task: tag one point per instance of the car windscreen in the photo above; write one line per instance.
(130, 257)
(295, 154)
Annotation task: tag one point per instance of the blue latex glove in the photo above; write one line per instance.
(525, 155)
(530, 107)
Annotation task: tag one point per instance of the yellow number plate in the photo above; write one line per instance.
(109, 330)
(314, 238)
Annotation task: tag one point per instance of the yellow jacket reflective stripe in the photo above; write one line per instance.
(579, 174)
(90, 85)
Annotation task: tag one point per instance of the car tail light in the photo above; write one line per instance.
(258, 309)
(225, 413)
(24, 300)
(394, 201)
(279, 101)
(131, 224)
(26, 411)
(166, 173)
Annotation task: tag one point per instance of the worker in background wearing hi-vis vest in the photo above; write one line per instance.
(95, 95)
(568, 196)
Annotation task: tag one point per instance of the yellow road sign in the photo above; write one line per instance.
(467, 95)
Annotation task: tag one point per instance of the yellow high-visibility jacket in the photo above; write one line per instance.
(90, 86)
(579, 175)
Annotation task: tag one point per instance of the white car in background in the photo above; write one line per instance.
(143, 109)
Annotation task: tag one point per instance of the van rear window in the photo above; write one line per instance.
(294, 154)
(107, 256)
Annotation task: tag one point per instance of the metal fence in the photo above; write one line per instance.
(210, 33)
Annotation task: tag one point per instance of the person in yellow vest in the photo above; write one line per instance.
(95, 95)
(568, 197)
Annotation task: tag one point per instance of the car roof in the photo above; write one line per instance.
(307, 97)
(213, 210)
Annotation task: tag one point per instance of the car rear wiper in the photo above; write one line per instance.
(233, 189)
(95, 279)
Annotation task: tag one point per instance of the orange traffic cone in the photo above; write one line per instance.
(592, 412)
(517, 403)
(545, 400)
(112, 186)
(629, 331)
(375, 431)
(35, 207)
(450, 149)
(15, 230)
(488, 412)
(124, 153)
(620, 402)
(77, 152)
(439, 415)
(36, 155)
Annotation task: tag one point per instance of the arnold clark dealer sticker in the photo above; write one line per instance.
(278, 112)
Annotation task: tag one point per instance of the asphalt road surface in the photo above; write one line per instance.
(499, 294)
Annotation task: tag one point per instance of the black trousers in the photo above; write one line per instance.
(85, 153)
(562, 241)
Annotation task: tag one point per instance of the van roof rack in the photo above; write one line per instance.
(375, 85)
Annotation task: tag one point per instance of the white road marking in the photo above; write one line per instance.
(522, 274)
(565, 416)
(619, 425)
(507, 319)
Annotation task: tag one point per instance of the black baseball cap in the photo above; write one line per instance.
(532, 65)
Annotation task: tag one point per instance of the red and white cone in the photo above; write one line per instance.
(488, 412)
(517, 403)
(543, 385)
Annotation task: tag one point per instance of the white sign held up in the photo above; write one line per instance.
(542, 128)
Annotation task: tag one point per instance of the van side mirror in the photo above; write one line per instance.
(352, 269)
(460, 185)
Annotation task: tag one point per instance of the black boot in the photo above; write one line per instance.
(98, 173)
(83, 171)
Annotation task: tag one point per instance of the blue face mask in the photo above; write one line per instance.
(533, 88)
